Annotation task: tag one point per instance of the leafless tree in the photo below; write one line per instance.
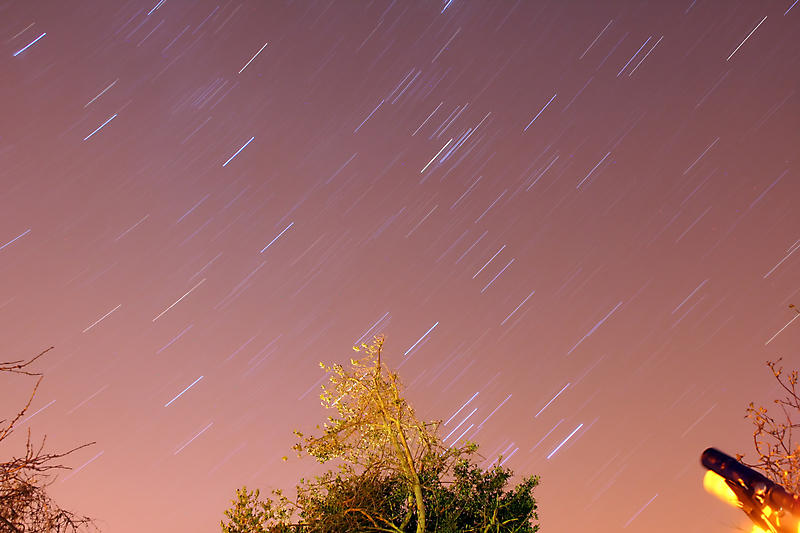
(25, 505)
(777, 449)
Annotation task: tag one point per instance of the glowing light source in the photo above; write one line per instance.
(716, 485)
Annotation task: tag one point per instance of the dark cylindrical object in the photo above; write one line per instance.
(754, 483)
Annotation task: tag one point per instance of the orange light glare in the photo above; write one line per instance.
(715, 484)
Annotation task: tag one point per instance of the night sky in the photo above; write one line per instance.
(575, 222)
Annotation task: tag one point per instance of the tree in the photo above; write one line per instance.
(394, 474)
(477, 501)
(376, 429)
(767, 490)
(468, 500)
(250, 514)
(778, 453)
(25, 505)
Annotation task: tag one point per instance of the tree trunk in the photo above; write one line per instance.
(415, 482)
(416, 485)
(420, 505)
(403, 452)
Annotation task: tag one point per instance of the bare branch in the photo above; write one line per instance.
(25, 505)
(17, 367)
(778, 454)
(6, 431)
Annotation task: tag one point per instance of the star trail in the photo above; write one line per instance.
(575, 222)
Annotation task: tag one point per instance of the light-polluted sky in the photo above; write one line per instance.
(575, 222)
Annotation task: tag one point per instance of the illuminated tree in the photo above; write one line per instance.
(376, 429)
(468, 500)
(250, 514)
(25, 505)
(778, 452)
(393, 473)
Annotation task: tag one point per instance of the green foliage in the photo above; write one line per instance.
(473, 500)
(370, 501)
(394, 474)
(250, 514)
(478, 500)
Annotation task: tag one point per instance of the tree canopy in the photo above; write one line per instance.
(393, 472)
